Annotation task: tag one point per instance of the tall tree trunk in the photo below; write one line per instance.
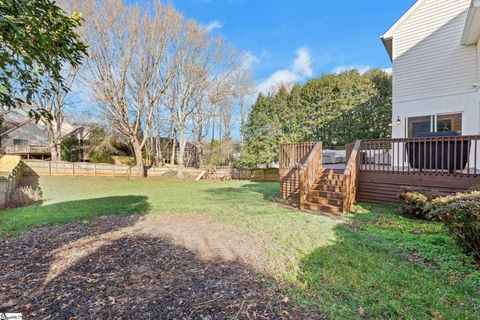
(174, 147)
(158, 146)
(158, 151)
(199, 156)
(138, 159)
(181, 153)
(54, 153)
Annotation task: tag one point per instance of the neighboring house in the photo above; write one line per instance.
(21, 135)
(190, 159)
(435, 51)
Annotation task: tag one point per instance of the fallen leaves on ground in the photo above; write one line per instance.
(132, 275)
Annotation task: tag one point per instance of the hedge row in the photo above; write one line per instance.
(459, 212)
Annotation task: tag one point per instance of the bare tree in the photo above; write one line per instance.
(221, 92)
(128, 67)
(200, 59)
(141, 60)
(55, 104)
(243, 84)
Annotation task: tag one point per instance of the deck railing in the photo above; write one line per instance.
(25, 149)
(292, 157)
(309, 172)
(350, 175)
(449, 156)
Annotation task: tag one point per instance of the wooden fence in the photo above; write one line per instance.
(267, 175)
(8, 163)
(292, 156)
(62, 168)
(12, 168)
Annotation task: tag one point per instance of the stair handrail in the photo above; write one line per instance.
(351, 176)
(309, 171)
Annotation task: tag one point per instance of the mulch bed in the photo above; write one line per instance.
(137, 276)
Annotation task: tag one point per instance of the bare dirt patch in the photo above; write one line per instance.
(173, 267)
(208, 239)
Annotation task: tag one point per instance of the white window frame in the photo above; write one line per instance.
(449, 113)
(433, 120)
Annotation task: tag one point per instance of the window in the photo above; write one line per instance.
(20, 142)
(419, 125)
(450, 122)
(434, 123)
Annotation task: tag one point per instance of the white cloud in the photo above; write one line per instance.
(212, 25)
(299, 70)
(302, 65)
(248, 59)
(361, 68)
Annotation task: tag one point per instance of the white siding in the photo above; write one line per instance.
(478, 62)
(466, 103)
(429, 60)
(31, 132)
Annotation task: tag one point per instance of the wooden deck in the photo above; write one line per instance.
(376, 170)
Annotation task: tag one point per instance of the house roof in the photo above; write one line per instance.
(387, 38)
(19, 118)
(471, 32)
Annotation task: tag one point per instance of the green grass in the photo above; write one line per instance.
(374, 265)
(388, 267)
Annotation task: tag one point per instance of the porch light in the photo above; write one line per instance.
(399, 122)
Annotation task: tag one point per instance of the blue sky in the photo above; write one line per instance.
(319, 35)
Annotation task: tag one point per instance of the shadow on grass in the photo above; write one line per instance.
(269, 191)
(15, 221)
(374, 271)
(134, 276)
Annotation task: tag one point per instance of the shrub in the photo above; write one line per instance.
(415, 201)
(25, 196)
(461, 215)
(475, 187)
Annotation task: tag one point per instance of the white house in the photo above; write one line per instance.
(435, 50)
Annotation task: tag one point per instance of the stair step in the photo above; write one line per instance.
(329, 182)
(325, 201)
(336, 171)
(330, 176)
(323, 187)
(326, 194)
(323, 208)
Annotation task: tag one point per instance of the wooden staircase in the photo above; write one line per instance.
(326, 194)
(321, 190)
(329, 191)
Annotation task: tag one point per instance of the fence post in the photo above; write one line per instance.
(3, 192)
(50, 168)
(73, 169)
(94, 169)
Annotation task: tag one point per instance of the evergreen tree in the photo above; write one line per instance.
(336, 109)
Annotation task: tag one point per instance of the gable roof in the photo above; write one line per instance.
(18, 118)
(471, 32)
(387, 38)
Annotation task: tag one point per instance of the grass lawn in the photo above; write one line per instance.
(372, 265)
